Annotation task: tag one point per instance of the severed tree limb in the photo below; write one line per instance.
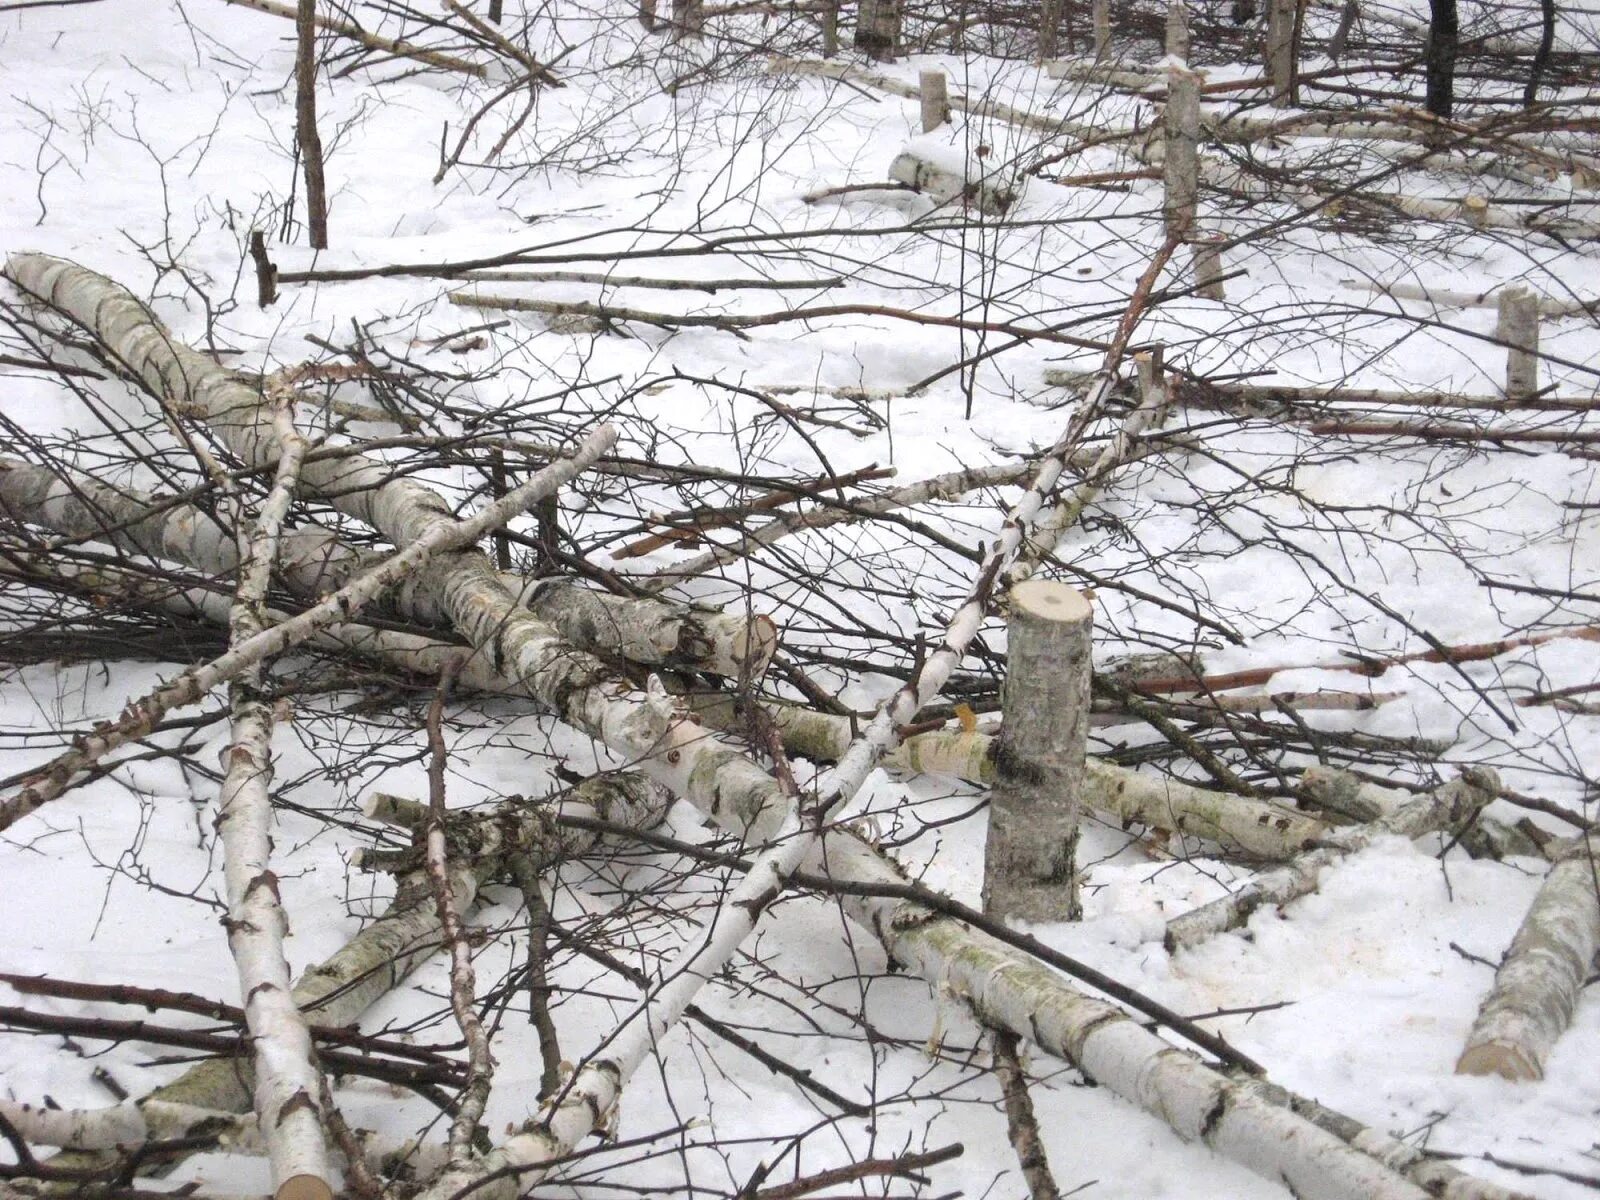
(289, 1087)
(372, 41)
(437, 536)
(644, 724)
(313, 561)
(1348, 797)
(1447, 807)
(1536, 988)
(474, 1097)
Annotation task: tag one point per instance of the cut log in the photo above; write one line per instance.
(1536, 988)
(644, 725)
(1448, 807)
(948, 170)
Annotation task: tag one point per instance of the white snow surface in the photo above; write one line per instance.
(139, 134)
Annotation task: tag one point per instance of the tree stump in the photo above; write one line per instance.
(1519, 325)
(1030, 863)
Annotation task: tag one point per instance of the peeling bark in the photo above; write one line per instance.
(313, 561)
(1536, 988)
(646, 726)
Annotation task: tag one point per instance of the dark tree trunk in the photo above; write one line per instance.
(1541, 60)
(305, 113)
(1441, 57)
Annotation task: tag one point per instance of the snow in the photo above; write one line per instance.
(141, 134)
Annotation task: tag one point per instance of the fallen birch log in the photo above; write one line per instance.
(1313, 1151)
(313, 560)
(645, 725)
(372, 41)
(1536, 988)
(1447, 807)
(133, 1124)
(945, 167)
(1279, 395)
(1450, 298)
(1350, 798)
(439, 536)
(289, 1086)
(1474, 210)
(375, 961)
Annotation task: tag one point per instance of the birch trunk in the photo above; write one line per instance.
(1350, 798)
(878, 29)
(289, 1085)
(646, 726)
(1030, 866)
(142, 715)
(1280, 51)
(1519, 325)
(1243, 1120)
(1451, 805)
(1536, 988)
(935, 99)
(1181, 163)
(313, 561)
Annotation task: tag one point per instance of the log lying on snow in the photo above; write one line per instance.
(646, 726)
(1258, 828)
(313, 560)
(1448, 807)
(1314, 1151)
(1351, 798)
(1536, 988)
(945, 166)
(342, 987)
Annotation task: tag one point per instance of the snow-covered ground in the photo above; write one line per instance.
(147, 139)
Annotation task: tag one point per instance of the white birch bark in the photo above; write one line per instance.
(1519, 325)
(1244, 1120)
(1240, 824)
(646, 726)
(143, 714)
(1451, 805)
(134, 1123)
(1315, 397)
(289, 1087)
(1180, 165)
(1030, 863)
(313, 561)
(935, 91)
(1451, 298)
(1537, 986)
(1280, 50)
(1351, 798)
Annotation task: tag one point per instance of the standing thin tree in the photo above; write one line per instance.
(1443, 33)
(305, 122)
(1541, 57)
